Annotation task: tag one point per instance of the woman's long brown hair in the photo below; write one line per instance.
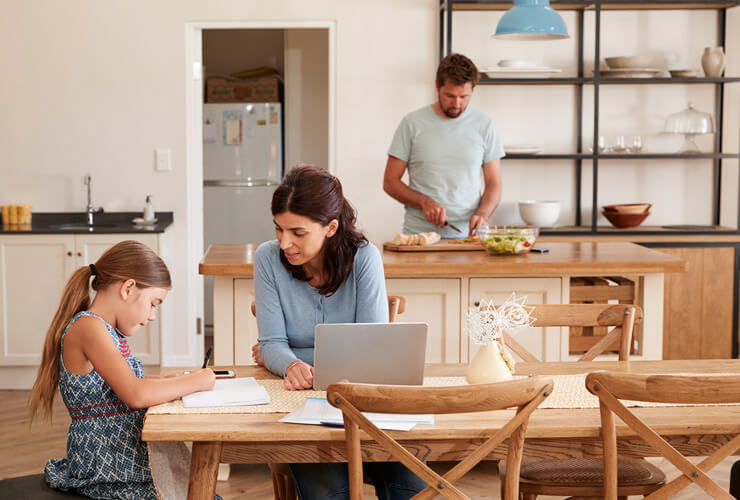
(125, 260)
(315, 193)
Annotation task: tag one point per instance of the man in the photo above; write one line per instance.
(445, 147)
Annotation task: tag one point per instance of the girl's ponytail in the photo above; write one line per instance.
(76, 298)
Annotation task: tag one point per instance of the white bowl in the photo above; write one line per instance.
(539, 213)
(516, 63)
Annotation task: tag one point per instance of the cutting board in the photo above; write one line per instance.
(442, 246)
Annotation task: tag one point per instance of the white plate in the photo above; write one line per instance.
(516, 63)
(138, 221)
(631, 72)
(520, 72)
(516, 149)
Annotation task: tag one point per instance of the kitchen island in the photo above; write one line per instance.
(439, 288)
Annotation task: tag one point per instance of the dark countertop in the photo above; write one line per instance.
(76, 223)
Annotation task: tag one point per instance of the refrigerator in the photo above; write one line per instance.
(242, 165)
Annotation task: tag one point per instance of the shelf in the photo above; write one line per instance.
(477, 5)
(605, 81)
(622, 156)
(533, 81)
(639, 230)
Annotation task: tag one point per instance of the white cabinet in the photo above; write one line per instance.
(435, 301)
(548, 344)
(33, 272)
(245, 324)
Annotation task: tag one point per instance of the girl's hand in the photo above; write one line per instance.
(206, 379)
(256, 356)
(298, 376)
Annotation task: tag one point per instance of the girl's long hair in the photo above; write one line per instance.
(315, 193)
(125, 260)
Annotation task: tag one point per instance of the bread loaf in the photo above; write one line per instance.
(416, 239)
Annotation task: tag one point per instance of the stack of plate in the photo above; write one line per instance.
(536, 72)
(521, 149)
(629, 67)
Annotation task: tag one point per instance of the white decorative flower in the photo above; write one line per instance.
(487, 322)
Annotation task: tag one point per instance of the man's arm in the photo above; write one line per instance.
(395, 187)
(491, 194)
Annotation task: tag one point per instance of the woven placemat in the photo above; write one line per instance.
(569, 391)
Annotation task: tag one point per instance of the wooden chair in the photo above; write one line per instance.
(282, 482)
(622, 317)
(583, 477)
(352, 399)
(610, 387)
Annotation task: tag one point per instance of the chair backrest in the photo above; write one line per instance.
(622, 317)
(525, 394)
(396, 305)
(610, 387)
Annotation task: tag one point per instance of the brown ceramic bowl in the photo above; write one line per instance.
(625, 220)
(628, 208)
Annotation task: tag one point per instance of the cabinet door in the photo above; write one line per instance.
(697, 315)
(548, 344)
(33, 272)
(435, 302)
(145, 343)
(245, 324)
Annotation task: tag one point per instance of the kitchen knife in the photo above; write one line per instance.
(453, 226)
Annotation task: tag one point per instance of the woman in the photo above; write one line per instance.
(321, 269)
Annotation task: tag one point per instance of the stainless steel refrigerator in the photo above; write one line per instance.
(242, 164)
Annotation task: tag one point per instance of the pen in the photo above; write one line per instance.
(208, 357)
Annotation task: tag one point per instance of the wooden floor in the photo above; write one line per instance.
(25, 450)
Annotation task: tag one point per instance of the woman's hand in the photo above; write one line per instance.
(256, 356)
(298, 376)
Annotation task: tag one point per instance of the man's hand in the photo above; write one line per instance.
(298, 376)
(256, 356)
(476, 220)
(434, 212)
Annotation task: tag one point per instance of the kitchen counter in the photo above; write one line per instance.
(76, 223)
(440, 287)
(563, 258)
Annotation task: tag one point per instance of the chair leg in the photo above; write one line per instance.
(282, 483)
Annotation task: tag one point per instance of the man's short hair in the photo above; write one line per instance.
(457, 69)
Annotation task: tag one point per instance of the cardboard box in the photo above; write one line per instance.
(262, 89)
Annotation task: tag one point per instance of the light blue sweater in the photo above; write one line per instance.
(288, 310)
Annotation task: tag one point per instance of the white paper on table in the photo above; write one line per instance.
(315, 411)
(229, 392)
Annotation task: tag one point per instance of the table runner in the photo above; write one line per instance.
(569, 391)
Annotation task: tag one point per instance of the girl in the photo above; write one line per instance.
(103, 386)
(321, 269)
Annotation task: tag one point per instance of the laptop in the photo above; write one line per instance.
(371, 353)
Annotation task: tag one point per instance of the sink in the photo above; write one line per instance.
(81, 226)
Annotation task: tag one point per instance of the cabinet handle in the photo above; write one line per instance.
(79, 254)
(69, 254)
(476, 303)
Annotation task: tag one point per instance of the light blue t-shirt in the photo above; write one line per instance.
(444, 158)
(288, 310)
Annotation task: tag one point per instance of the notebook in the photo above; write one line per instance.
(371, 353)
(229, 392)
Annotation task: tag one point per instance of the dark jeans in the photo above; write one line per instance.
(330, 481)
(735, 480)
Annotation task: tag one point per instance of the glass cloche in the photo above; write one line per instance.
(689, 122)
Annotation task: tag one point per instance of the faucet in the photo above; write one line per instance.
(91, 210)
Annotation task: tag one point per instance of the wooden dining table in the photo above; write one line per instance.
(551, 433)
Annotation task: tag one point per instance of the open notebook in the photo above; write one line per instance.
(229, 392)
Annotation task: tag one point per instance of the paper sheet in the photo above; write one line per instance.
(229, 392)
(318, 411)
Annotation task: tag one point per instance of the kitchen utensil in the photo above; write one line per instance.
(508, 240)
(628, 208)
(539, 213)
(622, 220)
(627, 62)
(689, 122)
(453, 226)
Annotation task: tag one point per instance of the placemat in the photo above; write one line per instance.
(569, 391)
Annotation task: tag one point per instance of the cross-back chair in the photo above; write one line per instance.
(282, 483)
(611, 387)
(622, 317)
(583, 477)
(352, 399)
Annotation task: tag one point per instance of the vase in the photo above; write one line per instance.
(713, 62)
(487, 366)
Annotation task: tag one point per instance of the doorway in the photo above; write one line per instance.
(301, 55)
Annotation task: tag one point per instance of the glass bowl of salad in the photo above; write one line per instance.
(508, 240)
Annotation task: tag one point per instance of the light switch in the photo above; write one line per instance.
(162, 160)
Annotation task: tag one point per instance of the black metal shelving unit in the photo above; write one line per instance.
(447, 7)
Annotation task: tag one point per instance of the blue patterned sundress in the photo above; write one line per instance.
(106, 457)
